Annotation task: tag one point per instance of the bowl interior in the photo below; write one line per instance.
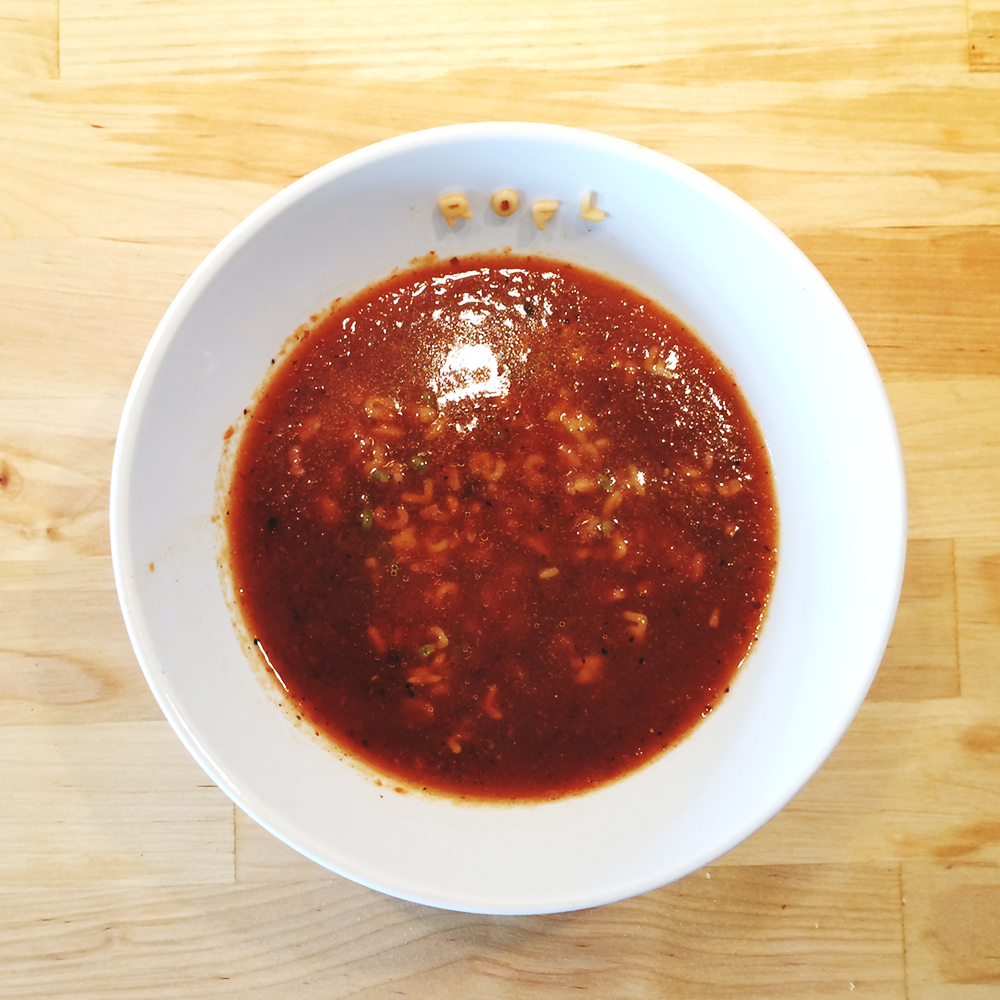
(709, 258)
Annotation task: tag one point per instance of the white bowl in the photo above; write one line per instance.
(733, 278)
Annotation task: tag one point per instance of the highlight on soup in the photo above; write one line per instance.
(502, 527)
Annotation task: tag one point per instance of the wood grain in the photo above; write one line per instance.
(107, 804)
(403, 41)
(135, 136)
(909, 780)
(978, 607)
(925, 299)
(793, 931)
(921, 660)
(984, 35)
(952, 931)
(950, 431)
(29, 38)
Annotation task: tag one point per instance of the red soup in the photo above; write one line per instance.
(502, 527)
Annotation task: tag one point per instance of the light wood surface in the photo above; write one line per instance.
(134, 135)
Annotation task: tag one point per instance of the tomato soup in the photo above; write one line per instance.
(501, 526)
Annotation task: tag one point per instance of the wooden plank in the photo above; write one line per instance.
(64, 653)
(77, 315)
(65, 657)
(952, 931)
(950, 432)
(29, 38)
(171, 157)
(978, 598)
(60, 177)
(910, 780)
(984, 35)
(926, 302)
(921, 660)
(817, 931)
(404, 42)
(109, 804)
(55, 487)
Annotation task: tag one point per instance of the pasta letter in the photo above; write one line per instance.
(504, 202)
(542, 210)
(454, 207)
(588, 210)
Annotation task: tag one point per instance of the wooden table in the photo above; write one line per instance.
(133, 136)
